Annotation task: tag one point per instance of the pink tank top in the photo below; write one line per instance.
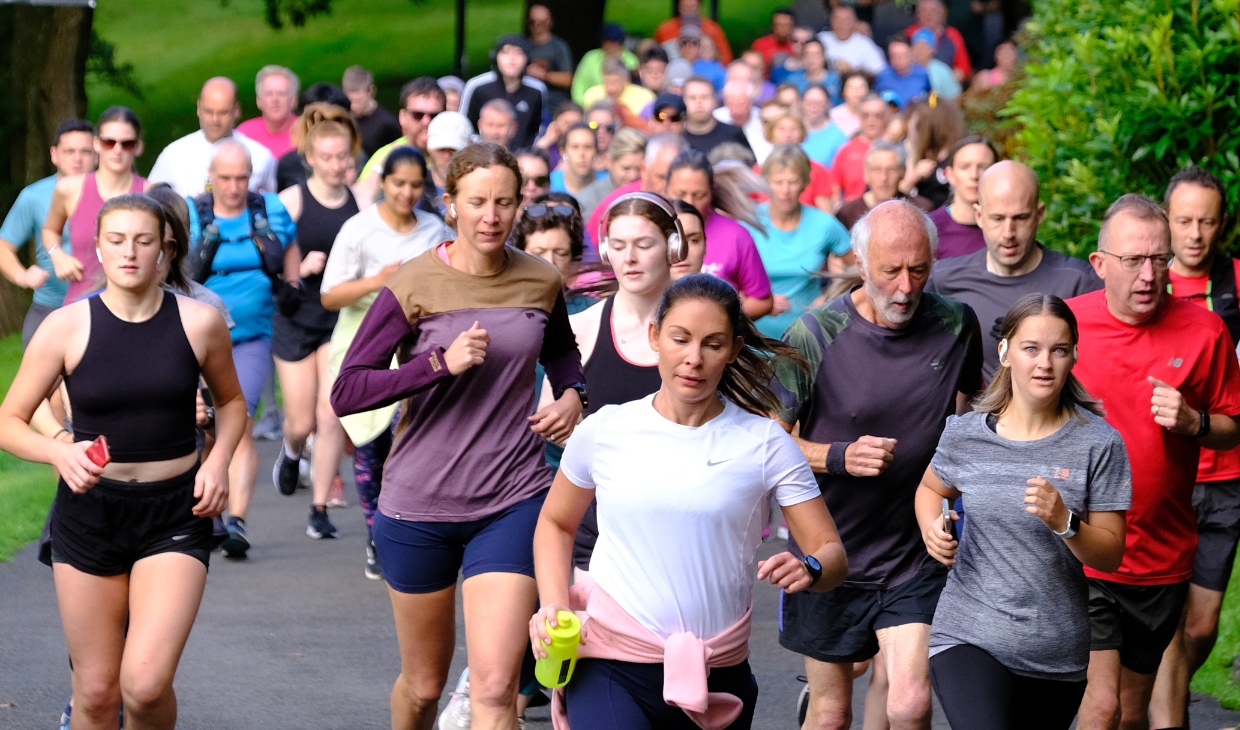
(82, 237)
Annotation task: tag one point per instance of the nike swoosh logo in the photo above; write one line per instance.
(179, 537)
(716, 463)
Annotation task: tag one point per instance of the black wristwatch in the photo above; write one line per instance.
(813, 567)
(581, 393)
(1205, 425)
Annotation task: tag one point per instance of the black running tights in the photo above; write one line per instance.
(978, 693)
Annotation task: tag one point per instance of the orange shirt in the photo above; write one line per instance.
(670, 29)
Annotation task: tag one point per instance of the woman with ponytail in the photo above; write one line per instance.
(683, 479)
(1045, 481)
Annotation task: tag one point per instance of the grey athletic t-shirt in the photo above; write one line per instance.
(966, 279)
(1017, 591)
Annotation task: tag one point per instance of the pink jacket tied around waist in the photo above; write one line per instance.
(611, 633)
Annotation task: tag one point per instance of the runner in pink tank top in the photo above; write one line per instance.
(82, 236)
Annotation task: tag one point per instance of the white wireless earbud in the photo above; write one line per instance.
(1075, 356)
(1003, 348)
(160, 260)
(99, 255)
(452, 209)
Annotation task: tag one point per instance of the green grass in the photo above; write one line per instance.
(175, 45)
(26, 489)
(1214, 677)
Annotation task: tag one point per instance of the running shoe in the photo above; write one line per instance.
(802, 704)
(374, 571)
(319, 526)
(456, 715)
(335, 493)
(305, 472)
(236, 544)
(284, 473)
(270, 426)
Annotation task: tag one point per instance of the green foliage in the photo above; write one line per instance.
(297, 11)
(1117, 96)
(26, 489)
(102, 67)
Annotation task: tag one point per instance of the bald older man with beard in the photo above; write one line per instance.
(183, 163)
(888, 363)
(1013, 263)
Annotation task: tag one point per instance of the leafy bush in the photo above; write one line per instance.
(1117, 96)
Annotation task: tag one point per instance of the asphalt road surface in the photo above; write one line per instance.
(296, 637)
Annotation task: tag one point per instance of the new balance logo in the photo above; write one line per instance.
(1061, 473)
(1176, 362)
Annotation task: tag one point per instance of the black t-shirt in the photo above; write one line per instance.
(722, 133)
(291, 169)
(378, 128)
(555, 55)
(527, 100)
(867, 380)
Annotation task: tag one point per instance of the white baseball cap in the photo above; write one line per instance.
(449, 131)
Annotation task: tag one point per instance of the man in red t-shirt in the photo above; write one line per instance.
(950, 49)
(1202, 275)
(779, 40)
(1167, 376)
(848, 168)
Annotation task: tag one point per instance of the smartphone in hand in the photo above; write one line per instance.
(949, 525)
(98, 451)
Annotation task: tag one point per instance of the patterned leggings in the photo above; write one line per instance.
(368, 473)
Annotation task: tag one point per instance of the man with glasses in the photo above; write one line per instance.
(275, 90)
(183, 163)
(1205, 276)
(689, 12)
(421, 100)
(551, 60)
(507, 81)
(667, 115)
(72, 154)
(794, 61)
(1167, 373)
(535, 175)
(690, 46)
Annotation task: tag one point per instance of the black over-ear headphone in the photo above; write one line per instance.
(677, 245)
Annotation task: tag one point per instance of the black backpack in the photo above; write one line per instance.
(270, 249)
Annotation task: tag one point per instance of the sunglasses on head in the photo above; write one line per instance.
(418, 116)
(126, 144)
(542, 181)
(538, 210)
(608, 128)
(669, 117)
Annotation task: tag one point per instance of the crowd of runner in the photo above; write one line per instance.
(582, 327)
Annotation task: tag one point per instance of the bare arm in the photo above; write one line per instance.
(755, 308)
(1100, 541)
(928, 504)
(1172, 413)
(562, 511)
(67, 267)
(27, 278)
(346, 292)
(811, 525)
(868, 456)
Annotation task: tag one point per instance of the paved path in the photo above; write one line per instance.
(297, 638)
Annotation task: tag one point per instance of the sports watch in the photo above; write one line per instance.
(813, 567)
(581, 393)
(1074, 526)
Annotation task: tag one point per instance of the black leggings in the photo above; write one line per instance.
(979, 693)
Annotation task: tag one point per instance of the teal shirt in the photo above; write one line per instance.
(24, 223)
(793, 258)
(942, 81)
(237, 274)
(821, 145)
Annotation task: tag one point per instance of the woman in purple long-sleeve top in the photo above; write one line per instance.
(465, 481)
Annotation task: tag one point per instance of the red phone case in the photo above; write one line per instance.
(98, 451)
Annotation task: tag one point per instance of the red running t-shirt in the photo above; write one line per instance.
(1214, 466)
(1190, 350)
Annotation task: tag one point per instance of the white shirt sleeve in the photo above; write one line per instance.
(160, 172)
(344, 263)
(785, 470)
(578, 460)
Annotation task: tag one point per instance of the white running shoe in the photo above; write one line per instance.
(456, 715)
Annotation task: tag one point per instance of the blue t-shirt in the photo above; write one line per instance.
(557, 180)
(237, 271)
(831, 83)
(25, 222)
(792, 258)
(712, 71)
(914, 86)
(821, 145)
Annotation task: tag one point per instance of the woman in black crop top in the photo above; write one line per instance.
(302, 329)
(131, 539)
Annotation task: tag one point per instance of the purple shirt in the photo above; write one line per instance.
(955, 239)
(464, 449)
(732, 256)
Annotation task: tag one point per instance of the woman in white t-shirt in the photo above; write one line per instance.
(683, 480)
(369, 248)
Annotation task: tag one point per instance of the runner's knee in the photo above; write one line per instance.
(98, 697)
(143, 692)
(492, 686)
(908, 705)
(823, 714)
(421, 690)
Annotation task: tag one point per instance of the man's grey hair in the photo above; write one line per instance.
(229, 145)
(294, 83)
(882, 145)
(864, 228)
(1141, 207)
(499, 105)
(666, 141)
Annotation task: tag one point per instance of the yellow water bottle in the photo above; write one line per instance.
(555, 669)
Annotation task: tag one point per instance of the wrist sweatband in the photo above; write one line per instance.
(835, 457)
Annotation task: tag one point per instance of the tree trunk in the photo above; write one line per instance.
(576, 22)
(43, 53)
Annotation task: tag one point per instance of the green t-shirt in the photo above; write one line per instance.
(590, 72)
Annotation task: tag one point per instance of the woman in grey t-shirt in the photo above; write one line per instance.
(1045, 481)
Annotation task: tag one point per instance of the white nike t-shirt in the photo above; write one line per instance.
(681, 509)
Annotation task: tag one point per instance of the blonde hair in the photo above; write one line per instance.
(628, 141)
(326, 120)
(768, 127)
(787, 157)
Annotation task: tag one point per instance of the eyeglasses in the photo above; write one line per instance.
(1134, 262)
(538, 210)
(418, 116)
(541, 181)
(669, 117)
(608, 128)
(126, 144)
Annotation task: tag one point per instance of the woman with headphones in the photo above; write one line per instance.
(684, 479)
(641, 239)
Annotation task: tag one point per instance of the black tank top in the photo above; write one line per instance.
(316, 231)
(610, 379)
(136, 385)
